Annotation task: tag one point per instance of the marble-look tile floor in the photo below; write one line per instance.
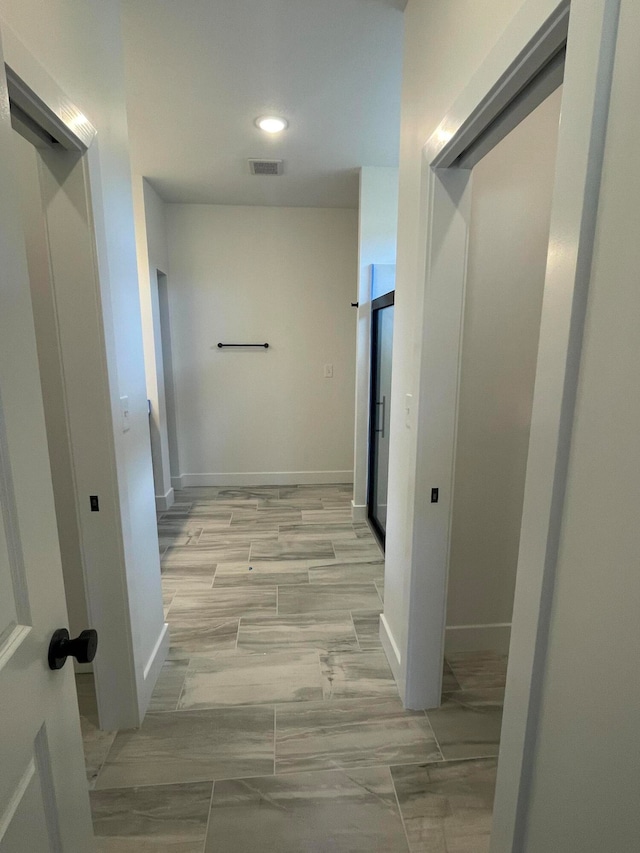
(276, 724)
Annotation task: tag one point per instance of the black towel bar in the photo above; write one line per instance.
(266, 346)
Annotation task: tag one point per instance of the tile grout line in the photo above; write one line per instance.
(395, 793)
(355, 630)
(346, 768)
(206, 831)
(437, 742)
(275, 736)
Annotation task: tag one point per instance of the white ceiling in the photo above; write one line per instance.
(200, 71)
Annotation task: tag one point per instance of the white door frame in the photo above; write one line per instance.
(529, 43)
(123, 684)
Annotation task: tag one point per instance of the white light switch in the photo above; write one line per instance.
(124, 414)
(328, 371)
(408, 410)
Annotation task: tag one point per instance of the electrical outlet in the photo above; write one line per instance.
(328, 371)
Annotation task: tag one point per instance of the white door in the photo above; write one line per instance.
(44, 804)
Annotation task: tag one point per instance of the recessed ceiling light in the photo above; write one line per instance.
(272, 124)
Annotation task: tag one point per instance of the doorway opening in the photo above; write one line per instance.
(163, 424)
(510, 217)
(167, 365)
(382, 310)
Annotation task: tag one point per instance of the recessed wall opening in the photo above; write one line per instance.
(511, 201)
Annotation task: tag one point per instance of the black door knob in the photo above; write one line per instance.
(83, 648)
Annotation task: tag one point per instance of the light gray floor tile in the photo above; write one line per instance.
(192, 635)
(327, 631)
(252, 679)
(367, 625)
(380, 588)
(167, 598)
(316, 492)
(467, 724)
(363, 531)
(187, 580)
(176, 567)
(326, 812)
(311, 549)
(190, 558)
(192, 746)
(252, 493)
(261, 573)
(183, 528)
(479, 670)
(365, 571)
(352, 674)
(241, 535)
(168, 818)
(449, 681)
(232, 550)
(165, 542)
(319, 597)
(295, 503)
(211, 513)
(222, 603)
(447, 807)
(179, 509)
(304, 532)
(265, 516)
(327, 516)
(197, 493)
(169, 686)
(363, 549)
(95, 741)
(344, 733)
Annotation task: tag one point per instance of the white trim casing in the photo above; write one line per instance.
(358, 512)
(164, 502)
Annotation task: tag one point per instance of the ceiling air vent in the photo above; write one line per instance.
(265, 167)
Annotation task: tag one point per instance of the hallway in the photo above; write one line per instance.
(276, 723)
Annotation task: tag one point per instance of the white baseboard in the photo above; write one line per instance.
(163, 502)
(263, 478)
(478, 638)
(392, 651)
(152, 669)
(358, 512)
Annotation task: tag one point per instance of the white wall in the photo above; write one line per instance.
(285, 276)
(151, 248)
(85, 59)
(508, 240)
(377, 233)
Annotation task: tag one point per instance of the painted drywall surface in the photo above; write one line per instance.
(285, 276)
(85, 59)
(151, 247)
(49, 360)
(444, 45)
(377, 234)
(586, 787)
(509, 234)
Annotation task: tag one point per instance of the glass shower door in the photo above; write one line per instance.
(380, 410)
